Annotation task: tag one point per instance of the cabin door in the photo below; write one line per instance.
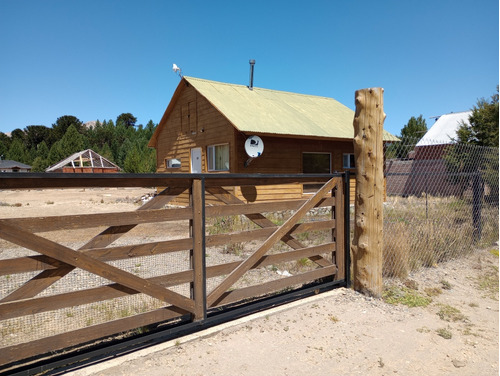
(196, 161)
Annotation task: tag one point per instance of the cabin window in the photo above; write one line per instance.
(348, 160)
(218, 157)
(316, 163)
(173, 163)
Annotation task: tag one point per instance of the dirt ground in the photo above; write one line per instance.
(340, 332)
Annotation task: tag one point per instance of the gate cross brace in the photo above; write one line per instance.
(47, 278)
(215, 295)
(18, 236)
(261, 221)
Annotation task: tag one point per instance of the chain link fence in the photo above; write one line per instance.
(442, 203)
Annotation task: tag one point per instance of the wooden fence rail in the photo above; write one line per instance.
(210, 285)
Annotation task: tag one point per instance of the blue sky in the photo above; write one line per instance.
(97, 59)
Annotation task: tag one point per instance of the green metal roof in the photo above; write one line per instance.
(274, 112)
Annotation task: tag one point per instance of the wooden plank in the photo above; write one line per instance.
(71, 222)
(276, 285)
(217, 292)
(261, 207)
(51, 344)
(44, 246)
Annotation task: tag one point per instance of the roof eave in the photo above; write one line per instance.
(180, 87)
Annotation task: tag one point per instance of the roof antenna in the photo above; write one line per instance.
(252, 63)
(177, 70)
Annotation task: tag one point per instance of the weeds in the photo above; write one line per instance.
(488, 282)
(433, 291)
(445, 333)
(445, 285)
(405, 296)
(333, 319)
(450, 314)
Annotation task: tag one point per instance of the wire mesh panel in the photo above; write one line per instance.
(442, 202)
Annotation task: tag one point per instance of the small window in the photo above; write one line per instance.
(218, 157)
(316, 163)
(348, 160)
(173, 163)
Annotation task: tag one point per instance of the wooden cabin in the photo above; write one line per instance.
(206, 124)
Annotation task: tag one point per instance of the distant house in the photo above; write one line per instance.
(13, 166)
(86, 161)
(206, 125)
(425, 171)
(442, 133)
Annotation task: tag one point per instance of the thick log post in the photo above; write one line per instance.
(367, 243)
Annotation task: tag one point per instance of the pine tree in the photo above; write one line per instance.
(72, 142)
(17, 151)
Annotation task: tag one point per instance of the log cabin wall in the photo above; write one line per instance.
(284, 156)
(192, 123)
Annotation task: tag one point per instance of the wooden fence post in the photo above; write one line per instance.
(198, 287)
(367, 244)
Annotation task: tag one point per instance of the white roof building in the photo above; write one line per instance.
(445, 129)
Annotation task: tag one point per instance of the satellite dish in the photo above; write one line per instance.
(254, 146)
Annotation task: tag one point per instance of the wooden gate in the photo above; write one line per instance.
(210, 279)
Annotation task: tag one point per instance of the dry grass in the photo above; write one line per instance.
(422, 232)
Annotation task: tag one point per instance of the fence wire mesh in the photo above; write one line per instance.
(442, 203)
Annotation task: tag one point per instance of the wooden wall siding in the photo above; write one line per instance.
(269, 192)
(284, 155)
(193, 123)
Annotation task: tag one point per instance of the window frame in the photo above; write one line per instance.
(349, 159)
(314, 152)
(211, 157)
(168, 164)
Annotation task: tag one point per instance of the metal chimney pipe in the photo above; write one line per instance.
(252, 63)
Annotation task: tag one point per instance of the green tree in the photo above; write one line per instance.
(482, 129)
(63, 123)
(18, 134)
(56, 153)
(106, 152)
(474, 152)
(35, 134)
(139, 159)
(5, 142)
(411, 133)
(41, 162)
(72, 142)
(17, 151)
(126, 119)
